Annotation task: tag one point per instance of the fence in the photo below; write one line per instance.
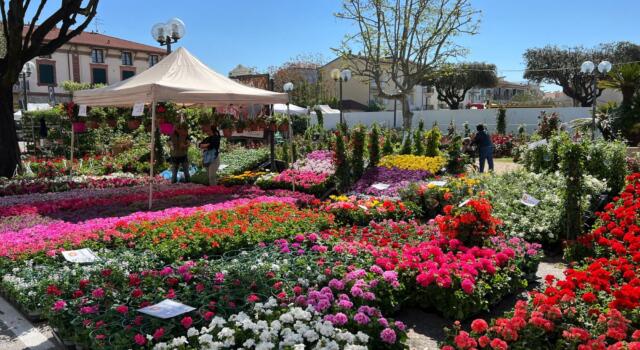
(515, 117)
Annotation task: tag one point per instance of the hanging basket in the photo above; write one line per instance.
(283, 127)
(166, 128)
(227, 132)
(133, 124)
(79, 127)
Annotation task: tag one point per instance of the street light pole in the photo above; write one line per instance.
(341, 76)
(589, 68)
(341, 108)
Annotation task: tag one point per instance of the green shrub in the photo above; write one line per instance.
(501, 121)
(374, 146)
(343, 173)
(406, 144)
(387, 148)
(433, 142)
(357, 155)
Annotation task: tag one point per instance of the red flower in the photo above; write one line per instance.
(589, 297)
(479, 325)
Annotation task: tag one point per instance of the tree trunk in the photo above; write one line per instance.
(9, 150)
(407, 115)
(454, 105)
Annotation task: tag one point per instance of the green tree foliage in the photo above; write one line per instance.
(374, 146)
(357, 155)
(433, 142)
(343, 173)
(561, 66)
(453, 81)
(387, 148)
(456, 160)
(572, 168)
(501, 121)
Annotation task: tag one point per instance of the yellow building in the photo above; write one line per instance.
(359, 91)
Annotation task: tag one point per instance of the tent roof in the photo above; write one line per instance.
(293, 109)
(179, 78)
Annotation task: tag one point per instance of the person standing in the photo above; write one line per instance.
(485, 147)
(43, 132)
(180, 153)
(211, 153)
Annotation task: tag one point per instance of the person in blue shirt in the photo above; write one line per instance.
(485, 147)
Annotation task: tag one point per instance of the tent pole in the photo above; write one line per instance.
(153, 146)
(73, 137)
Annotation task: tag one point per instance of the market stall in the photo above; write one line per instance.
(179, 78)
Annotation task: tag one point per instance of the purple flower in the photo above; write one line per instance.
(383, 322)
(390, 276)
(356, 291)
(401, 326)
(361, 318)
(388, 336)
(345, 304)
(340, 319)
(336, 284)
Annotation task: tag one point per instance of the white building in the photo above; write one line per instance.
(87, 58)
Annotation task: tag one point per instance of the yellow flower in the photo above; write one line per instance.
(412, 162)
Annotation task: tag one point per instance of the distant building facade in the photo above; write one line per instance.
(87, 58)
(503, 93)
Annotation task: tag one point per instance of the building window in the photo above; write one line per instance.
(126, 74)
(127, 59)
(97, 56)
(153, 59)
(46, 72)
(99, 75)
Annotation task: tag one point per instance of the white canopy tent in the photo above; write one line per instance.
(181, 78)
(293, 109)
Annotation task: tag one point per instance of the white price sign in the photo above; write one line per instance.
(82, 111)
(166, 309)
(138, 109)
(380, 186)
(529, 200)
(438, 183)
(80, 256)
(222, 166)
(464, 203)
(363, 207)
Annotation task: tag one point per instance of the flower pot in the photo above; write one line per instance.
(240, 130)
(133, 124)
(227, 132)
(112, 123)
(79, 127)
(284, 127)
(166, 128)
(93, 124)
(272, 127)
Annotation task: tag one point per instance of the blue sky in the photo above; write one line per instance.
(263, 33)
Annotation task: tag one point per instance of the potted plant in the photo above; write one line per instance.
(241, 124)
(161, 110)
(165, 117)
(96, 116)
(226, 124)
(77, 125)
(111, 117)
(134, 123)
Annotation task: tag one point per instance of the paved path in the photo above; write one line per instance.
(425, 329)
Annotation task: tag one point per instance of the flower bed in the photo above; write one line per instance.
(60, 184)
(395, 178)
(122, 197)
(431, 198)
(594, 307)
(412, 162)
(312, 174)
(360, 211)
(59, 233)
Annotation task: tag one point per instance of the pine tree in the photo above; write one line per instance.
(387, 148)
(357, 155)
(501, 121)
(433, 142)
(406, 145)
(418, 146)
(374, 146)
(343, 173)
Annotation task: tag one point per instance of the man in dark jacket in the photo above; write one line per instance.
(485, 147)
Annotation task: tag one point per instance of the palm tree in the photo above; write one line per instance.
(625, 78)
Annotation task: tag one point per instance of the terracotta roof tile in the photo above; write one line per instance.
(101, 40)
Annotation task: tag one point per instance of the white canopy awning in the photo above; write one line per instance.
(293, 109)
(326, 109)
(179, 78)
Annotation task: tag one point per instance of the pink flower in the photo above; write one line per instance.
(158, 333)
(98, 293)
(123, 309)
(467, 286)
(479, 325)
(388, 336)
(186, 322)
(59, 305)
(140, 339)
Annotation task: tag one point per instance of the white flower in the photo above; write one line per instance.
(192, 332)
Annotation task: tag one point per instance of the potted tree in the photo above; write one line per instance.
(226, 124)
(241, 124)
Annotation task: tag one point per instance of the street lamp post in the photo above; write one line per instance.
(341, 76)
(589, 68)
(26, 72)
(288, 88)
(168, 33)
